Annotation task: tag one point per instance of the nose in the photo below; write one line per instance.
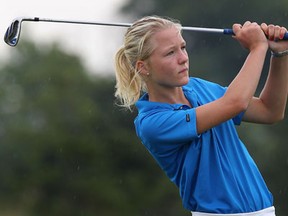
(183, 57)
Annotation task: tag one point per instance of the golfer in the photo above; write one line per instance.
(188, 124)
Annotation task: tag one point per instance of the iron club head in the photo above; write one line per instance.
(12, 34)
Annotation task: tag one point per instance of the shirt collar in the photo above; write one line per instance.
(144, 105)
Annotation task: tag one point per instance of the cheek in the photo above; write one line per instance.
(162, 67)
(161, 72)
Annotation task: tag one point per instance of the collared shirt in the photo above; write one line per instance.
(213, 170)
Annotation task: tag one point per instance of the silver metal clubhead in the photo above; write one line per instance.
(12, 34)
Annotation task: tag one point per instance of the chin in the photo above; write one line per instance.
(185, 80)
(182, 83)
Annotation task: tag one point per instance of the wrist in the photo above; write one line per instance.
(260, 48)
(279, 54)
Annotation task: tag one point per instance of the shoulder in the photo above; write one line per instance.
(204, 87)
(199, 82)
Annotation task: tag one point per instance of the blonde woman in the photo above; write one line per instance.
(188, 124)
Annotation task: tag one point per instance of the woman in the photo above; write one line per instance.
(188, 124)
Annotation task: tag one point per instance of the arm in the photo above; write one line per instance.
(271, 104)
(242, 88)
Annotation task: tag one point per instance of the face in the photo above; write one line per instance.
(168, 64)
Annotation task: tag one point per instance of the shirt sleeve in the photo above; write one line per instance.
(171, 127)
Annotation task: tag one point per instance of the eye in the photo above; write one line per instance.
(183, 47)
(170, 53)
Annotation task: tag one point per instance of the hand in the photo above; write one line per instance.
(275, 35)
(250, 35)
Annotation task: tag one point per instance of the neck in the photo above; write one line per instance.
(171, 96)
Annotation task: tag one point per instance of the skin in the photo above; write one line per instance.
(167, 67)
(166, 71)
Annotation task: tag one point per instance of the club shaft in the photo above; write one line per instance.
(185, 28)
(79, 22)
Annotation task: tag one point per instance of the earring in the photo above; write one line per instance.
(148, 74)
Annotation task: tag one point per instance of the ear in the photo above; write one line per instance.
(141, 66)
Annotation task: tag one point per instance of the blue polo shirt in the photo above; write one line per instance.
(213, 170)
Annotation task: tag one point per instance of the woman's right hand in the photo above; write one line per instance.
(250, 35)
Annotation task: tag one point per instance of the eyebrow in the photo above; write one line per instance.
(173, 46)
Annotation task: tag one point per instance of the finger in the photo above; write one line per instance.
(264, 28)
(236, 27)
(250, 24)
(277, 30)
(283, 30)
(247, 23)
(271, 32)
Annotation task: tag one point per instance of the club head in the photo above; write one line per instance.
(12, 34)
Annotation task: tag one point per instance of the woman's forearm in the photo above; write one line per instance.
(243, 87)
(274, 93)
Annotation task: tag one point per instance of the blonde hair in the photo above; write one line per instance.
(137, 46)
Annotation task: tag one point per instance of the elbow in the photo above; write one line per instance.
(238, 102)
(280, 117)
(274, 118)
(240, 105)
(277, 118)
(236, 105)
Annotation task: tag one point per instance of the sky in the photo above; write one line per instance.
(96, 45)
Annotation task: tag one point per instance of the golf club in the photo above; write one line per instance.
(12, 34)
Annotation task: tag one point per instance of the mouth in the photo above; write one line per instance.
(184, 70)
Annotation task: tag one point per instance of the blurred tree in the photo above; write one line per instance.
(66, 149)
(218, 58)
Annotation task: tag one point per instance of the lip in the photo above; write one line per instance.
(183, 70)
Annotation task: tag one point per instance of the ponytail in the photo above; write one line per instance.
(129, 84)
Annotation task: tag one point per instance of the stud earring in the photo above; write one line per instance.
(148, 74)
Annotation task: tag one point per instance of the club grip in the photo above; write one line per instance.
(230, 32)
(285, 36)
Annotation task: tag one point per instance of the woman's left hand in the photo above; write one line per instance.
(275, 34)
